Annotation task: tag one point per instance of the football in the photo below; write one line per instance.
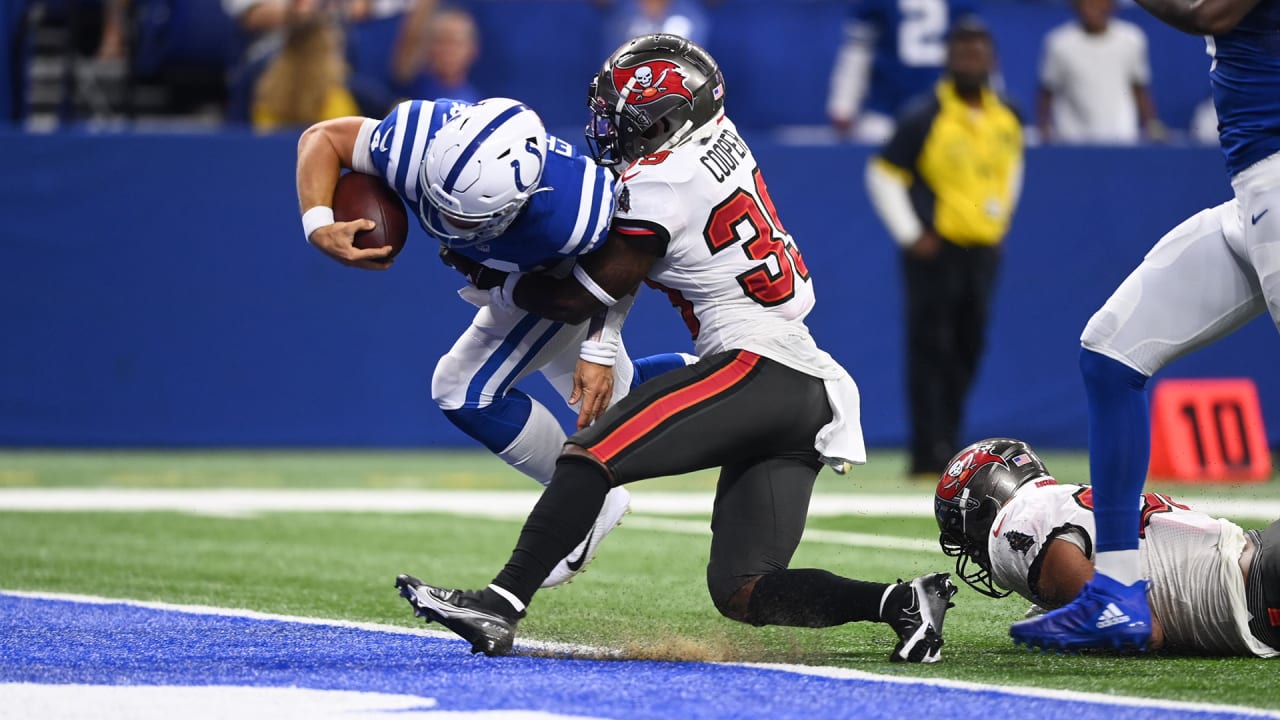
(365, 196)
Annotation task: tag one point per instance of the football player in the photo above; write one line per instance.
(489, 184)
(1013, 528)
(892, 51)
(1209, 276)
(764, 404)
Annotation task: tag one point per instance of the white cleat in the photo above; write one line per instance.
(616, 504)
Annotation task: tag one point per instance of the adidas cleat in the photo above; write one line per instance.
(1105, 615)
(616, 504)
(464, 612)
(917, 618)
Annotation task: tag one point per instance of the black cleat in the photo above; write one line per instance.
(464, 612)
(917, 618)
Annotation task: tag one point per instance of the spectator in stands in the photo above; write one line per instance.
(261, 24)
(434, 53)
(113, 45)
(1203, 128)
(305, 82)
(633, 18)
(893, 51)
(1094, 80)
(945, 186)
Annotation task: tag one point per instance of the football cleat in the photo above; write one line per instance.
(616, 504)
(464, 612)
(1105, 615)
(917, 618)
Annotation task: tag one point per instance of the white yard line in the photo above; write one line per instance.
(489, 503)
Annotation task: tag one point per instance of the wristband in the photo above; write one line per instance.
(600, 353)
(316, 218)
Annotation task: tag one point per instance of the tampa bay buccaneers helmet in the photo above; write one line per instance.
(651, 94)
(978, 481)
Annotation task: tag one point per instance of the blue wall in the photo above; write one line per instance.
(777, 55)
(157, 291)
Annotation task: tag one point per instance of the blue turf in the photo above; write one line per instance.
(57, 642)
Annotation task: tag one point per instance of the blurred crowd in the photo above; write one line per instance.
(286, 63)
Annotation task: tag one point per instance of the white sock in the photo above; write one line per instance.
(535, 449)
(509, 597)
(1123, 566)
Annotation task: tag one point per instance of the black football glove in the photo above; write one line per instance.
(484, 278)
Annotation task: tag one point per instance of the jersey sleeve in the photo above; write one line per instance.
(398, 143)
(649, 213)
(904, 148)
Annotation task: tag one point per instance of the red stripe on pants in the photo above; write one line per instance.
(663, 408)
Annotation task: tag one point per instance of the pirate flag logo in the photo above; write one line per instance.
(651, 81)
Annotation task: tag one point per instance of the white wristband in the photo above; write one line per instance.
(600, 353)
(316, 218)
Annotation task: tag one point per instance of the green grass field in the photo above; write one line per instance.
(644, 594)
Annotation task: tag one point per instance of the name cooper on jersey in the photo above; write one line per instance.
(723, 156)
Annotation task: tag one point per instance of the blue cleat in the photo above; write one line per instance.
(1105, 615)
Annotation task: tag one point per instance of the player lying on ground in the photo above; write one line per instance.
(765, 404)
(489, 185)
(1202, 281)
(1215, 588)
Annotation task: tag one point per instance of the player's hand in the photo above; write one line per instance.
(338, 241)
(593, 385)
(926, 247)
(483, 277)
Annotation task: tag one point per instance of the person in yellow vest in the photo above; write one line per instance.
(945, 186)
(307, 81)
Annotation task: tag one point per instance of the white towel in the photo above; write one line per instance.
(839, 442)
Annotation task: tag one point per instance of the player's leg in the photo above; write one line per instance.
(758, 519)
(1262, 589)
(627, 375)
(474, 384)
(650, 367)
(1151, 320)
(1257, 189)
(639, 432)
(929, 355)
(978, 267)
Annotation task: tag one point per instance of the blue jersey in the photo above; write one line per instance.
(1245, 76)
(910, 47)
(569, 216)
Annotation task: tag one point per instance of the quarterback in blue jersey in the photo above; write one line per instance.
(892, 52)
(498, 194)
(1206, 278)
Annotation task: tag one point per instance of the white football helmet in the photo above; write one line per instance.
(481, 168)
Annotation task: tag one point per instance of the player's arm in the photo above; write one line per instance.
(889, 177)
(323, 151)
(1064, 571)
(599, 281)
(1200, 17)
(851, 75)
(593, 376)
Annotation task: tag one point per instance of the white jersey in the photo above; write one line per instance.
(1092, 77)
(730, 266)
(1191, 559)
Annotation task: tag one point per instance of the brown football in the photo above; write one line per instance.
(366, 196)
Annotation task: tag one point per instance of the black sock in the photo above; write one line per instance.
(813, 598)
(559, 521)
